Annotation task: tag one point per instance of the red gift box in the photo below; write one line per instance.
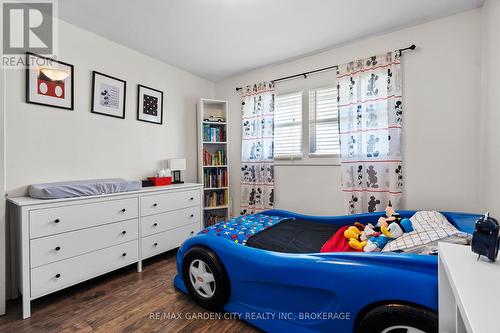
(161, 181)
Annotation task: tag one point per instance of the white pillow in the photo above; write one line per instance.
(428, 226)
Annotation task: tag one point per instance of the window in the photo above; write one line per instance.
(323, 122)
(288, 125)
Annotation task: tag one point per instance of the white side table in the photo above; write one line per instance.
(469, 291)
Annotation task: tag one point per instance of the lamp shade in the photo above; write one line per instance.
(54, 73)
(177, 164)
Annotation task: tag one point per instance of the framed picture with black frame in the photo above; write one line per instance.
(108, 95)
(49, 82)
(149, 105)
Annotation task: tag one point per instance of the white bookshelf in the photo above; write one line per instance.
(212, 114)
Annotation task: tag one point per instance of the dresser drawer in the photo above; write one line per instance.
(50, 221)
(167, 240)
(165, 221)
(49, 249)
(160, 203)
(61, 274)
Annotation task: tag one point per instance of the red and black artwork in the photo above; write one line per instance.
(49, 87)
(49, 82)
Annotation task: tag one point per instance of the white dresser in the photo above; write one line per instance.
(59, 243)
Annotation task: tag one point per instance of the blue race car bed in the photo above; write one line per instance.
(280, 285)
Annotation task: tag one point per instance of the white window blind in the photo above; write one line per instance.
(288, 125)
(323, 122)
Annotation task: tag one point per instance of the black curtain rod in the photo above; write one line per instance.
(411, 47)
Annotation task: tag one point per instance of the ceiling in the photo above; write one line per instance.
(216, 39)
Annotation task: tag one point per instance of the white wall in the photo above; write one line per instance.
(46, 144)
(491, 114)
(441, 123)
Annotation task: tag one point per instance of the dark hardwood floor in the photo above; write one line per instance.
(122, 301)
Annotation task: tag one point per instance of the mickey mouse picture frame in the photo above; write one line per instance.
(49, 82)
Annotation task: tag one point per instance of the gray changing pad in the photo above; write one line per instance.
(82, 188)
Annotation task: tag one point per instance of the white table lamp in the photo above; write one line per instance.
(176, 165)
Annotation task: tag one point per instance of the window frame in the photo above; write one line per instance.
(294, 156)
(310, 122)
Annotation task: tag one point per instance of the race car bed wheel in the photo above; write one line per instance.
(205, 277)
(398, 318)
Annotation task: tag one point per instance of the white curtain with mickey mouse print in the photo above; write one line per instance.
(370, 119)
(257, 148)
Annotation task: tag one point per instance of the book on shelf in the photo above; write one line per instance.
(211, 219)
(217, 158)
(213, 133)
(215, 178)
(215, 198)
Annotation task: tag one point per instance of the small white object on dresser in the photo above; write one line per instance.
(61, 242)
(468, 291)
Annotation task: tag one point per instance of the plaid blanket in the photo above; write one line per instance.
(240, 229)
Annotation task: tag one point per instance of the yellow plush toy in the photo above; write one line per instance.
(358, 235)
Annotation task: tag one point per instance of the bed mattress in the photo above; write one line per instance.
(294, 236)
(82, 188)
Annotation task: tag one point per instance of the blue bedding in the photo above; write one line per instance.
(240, 229)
